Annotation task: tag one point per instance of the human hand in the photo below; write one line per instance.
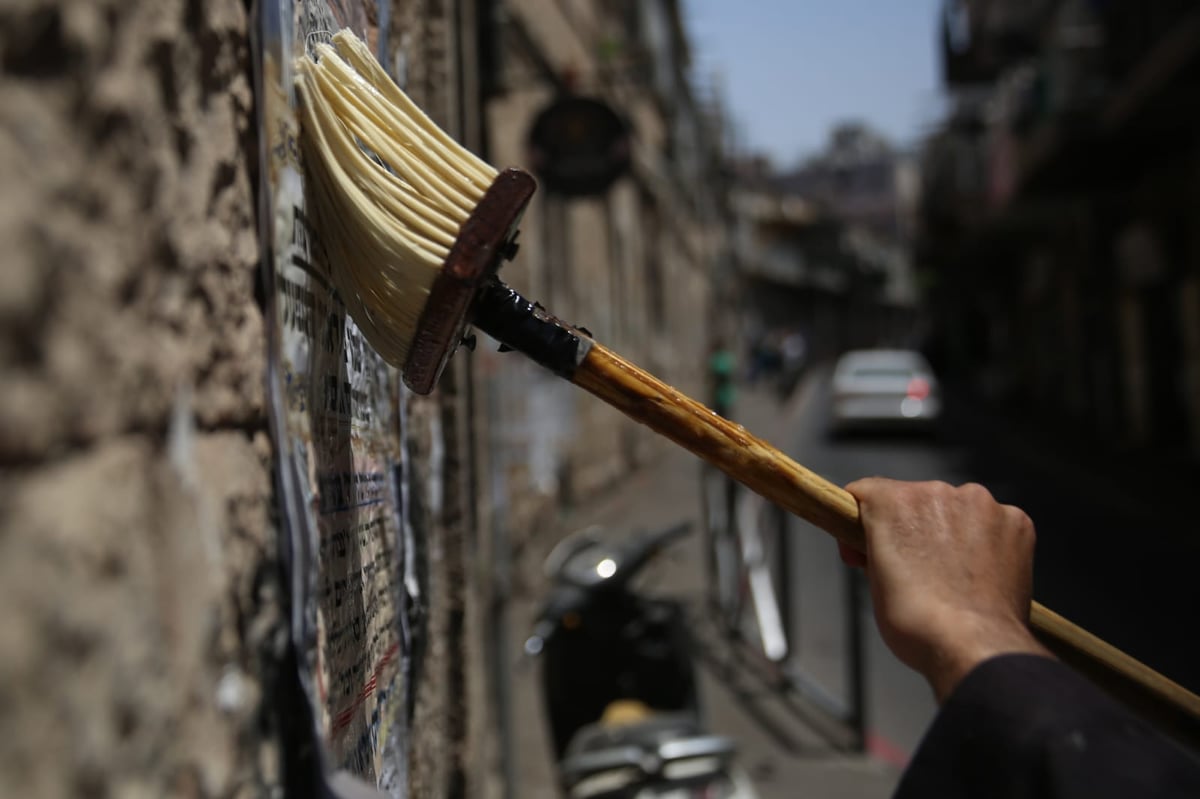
(951, 575)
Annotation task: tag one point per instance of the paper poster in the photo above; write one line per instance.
(336, 418)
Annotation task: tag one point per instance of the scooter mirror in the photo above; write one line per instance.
(571, 545)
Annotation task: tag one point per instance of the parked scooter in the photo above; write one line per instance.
(619, 680)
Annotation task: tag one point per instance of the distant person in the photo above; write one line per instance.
(794, 350)
(951, 575)
(762, 357)
(793, 357)
(722, 369)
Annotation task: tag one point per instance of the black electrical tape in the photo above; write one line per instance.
(525, 326)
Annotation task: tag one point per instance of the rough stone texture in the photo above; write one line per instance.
(136, 584)
(130, 246)
(432, 758)
(137, 552)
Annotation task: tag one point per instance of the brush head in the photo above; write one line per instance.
(412, 222)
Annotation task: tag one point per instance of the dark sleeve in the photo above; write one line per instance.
(1027, 726)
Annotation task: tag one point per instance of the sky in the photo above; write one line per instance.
(793, 68)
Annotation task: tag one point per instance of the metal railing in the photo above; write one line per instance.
(752, 594)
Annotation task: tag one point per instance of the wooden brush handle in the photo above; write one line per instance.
(767, 471)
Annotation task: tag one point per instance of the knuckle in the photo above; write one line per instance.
(938, 488)
(866, 488)
(975, 494)
(1020, 523)
(1025, 524)
(861, 484)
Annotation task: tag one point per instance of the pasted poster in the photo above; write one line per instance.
(336, 419)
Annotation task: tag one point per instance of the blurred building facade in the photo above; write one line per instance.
(824, 249)
(1056, 227)
(633, 264)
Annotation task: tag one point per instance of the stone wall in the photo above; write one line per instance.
(144, 642)
(137, 548)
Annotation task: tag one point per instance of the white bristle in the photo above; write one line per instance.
(387, 229)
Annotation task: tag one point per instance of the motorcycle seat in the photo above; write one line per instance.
(646, 734)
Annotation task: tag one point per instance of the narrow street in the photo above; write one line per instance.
(784, 748)
(1113, 554)
(898, 703)
(789, 753)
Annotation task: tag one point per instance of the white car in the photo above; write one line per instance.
(883, 389)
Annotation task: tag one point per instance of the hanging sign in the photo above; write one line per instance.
(579, 146)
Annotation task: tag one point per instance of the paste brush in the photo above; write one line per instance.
(416, 227)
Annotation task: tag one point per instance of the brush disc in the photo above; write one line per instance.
(487, 238)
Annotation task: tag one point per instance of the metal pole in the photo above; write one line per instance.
(783, 571)
(855, 661)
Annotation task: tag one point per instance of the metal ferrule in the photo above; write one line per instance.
(526, 327)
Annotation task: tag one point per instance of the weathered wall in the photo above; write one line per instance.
(632, 264)
(425, 35)
(137, 551)
(139, 566)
